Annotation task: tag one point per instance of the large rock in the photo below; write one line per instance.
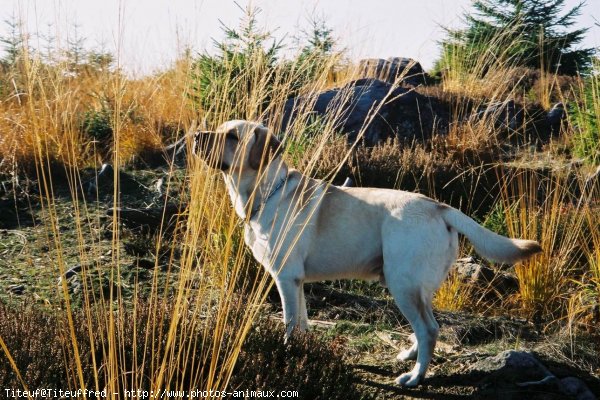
(406, 70)
(512, 366)
(382, 110)
(516, 374)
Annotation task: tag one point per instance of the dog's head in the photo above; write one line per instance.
(237, 146)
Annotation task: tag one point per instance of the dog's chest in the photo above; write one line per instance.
(259, 246)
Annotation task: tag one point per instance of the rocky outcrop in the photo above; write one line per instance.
(383, 104)
(371, 111)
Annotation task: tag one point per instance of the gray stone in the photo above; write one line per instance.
(512, 366)
(485, 277)
(407, 70)
(469, 269)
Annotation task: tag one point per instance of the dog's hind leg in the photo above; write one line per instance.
(417, 251)
(411, 352)
(415, 307)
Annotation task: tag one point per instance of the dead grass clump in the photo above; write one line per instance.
(392, 164)
(546, 278)
(584, 303)
(80, 120)
(461, 176)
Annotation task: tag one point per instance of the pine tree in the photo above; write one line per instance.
(13, 43)
(228, 75)
(531, 33)
(317, 46)
(76, 52)
(319, 39)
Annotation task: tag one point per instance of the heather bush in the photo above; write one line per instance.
(42, 350)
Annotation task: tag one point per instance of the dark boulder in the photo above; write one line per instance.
(376, 107)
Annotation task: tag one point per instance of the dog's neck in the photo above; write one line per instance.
(249, 191)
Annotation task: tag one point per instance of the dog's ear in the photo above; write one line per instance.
(266, 147)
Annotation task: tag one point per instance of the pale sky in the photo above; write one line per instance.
(148, 34)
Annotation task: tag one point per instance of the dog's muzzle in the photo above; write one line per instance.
(204, 147)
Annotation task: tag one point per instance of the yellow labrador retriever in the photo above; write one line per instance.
(302, 230)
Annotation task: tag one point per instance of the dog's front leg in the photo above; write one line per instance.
(289, 291)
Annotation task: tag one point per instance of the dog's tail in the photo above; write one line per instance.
(487, 243)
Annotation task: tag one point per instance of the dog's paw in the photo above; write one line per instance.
(407, 354)
(408, 379)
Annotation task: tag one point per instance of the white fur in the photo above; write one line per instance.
(310, 231)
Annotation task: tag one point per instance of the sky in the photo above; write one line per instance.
(148, 35)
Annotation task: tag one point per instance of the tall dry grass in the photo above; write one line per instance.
(214, 291)
(540, 208)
